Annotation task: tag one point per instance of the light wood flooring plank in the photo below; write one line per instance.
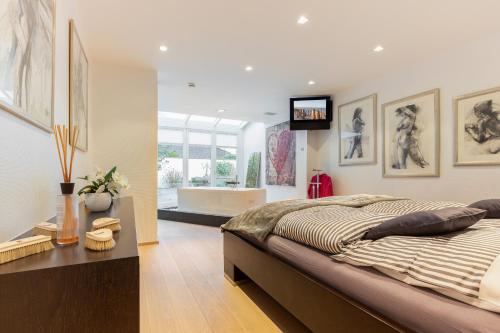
(183, 288)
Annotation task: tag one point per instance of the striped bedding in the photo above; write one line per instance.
(463, 265)
(328, 229)
(332, 228)
(453, 264)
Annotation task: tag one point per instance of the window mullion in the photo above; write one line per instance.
(240, 167)
(185, 158)
(213, 160)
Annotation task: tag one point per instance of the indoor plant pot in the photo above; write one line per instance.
(98, 202)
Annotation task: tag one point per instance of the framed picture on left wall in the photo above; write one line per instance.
(78, 88)
(27, 48)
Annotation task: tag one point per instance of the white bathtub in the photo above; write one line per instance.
(219, 200)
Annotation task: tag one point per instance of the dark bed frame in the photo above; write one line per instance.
(318, 307)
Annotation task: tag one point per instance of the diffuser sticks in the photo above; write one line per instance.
(63, 135)
(67, 210)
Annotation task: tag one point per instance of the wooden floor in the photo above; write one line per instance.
(183, 288)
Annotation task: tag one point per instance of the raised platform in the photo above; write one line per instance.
(173, 214)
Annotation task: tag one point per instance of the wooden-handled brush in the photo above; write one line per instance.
(45, 229)
(100, 240)
(24, 247)
(107, 222)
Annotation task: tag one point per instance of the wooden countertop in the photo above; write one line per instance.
(126, 243)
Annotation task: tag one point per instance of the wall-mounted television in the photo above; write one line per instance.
(310, 113)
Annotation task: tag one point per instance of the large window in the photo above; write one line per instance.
(195, 151)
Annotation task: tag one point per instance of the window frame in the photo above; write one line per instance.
(213, 143)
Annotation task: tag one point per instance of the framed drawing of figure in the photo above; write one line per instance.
(78, 88)
(477, 128)
(27, 48)
(358, 131)
(411, 136)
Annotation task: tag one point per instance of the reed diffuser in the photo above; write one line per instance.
(67, 203)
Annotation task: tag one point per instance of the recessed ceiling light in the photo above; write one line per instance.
(378, 48)
(221, 111)
(311, 83)
(302, 20)
(249, 68)
(163, 48)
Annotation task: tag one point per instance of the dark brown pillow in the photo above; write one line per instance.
(492, 206)
(428, 223)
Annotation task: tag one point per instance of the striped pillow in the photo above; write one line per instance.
(403, 207)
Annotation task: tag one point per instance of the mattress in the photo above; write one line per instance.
(420, 309)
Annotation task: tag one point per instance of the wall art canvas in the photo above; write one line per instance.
(280, 155)
(253, 171)
(78, 81)
(477, 133)
(411, 136)
(358, 131)
(27, 30)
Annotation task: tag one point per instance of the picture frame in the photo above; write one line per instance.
(476, 122)
(411, 135)
(357, 126)
(253, 171)
(280, 155)
(30, 97)
(78, 87)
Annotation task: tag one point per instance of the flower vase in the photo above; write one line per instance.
(98, 202)
(67, 216)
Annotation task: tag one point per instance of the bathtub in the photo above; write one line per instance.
(219, 200)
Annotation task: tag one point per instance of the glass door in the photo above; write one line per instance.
(170, 166)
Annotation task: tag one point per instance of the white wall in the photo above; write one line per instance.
(254, 137)
(123, 132)
(466, 69)
(29, 167)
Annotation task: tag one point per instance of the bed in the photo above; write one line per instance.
(333, 296)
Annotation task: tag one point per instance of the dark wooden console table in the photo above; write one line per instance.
(73, 289)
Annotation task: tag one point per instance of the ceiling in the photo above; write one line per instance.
(211, 41)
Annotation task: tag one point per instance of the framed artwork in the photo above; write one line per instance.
(477, 130)
(253, 171)
(78, 87)
(27, 40)
(280, 155)
(411, 136)
(358, 131)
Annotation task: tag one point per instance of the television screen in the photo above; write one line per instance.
(310, 110)
(310, 113)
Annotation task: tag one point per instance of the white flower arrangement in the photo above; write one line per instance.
(111, 182)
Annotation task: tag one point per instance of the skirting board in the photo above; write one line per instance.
(156, 242)
(193, 218)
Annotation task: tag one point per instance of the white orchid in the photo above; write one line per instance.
(120, 180)
(110, 182)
